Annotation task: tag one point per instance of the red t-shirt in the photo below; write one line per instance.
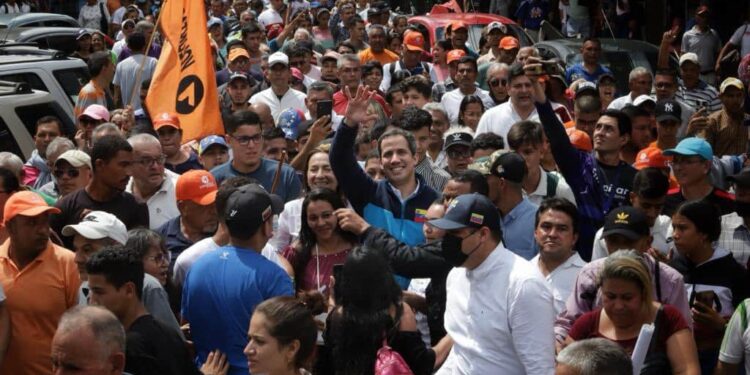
(318, 270)
(587, 326)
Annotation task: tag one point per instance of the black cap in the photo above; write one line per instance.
(668, 109)
(458, 138)
(82, 33)
(627, 221)
(470, 211)
(586, 87)
(239, 75)
(742, 179)
(603, 76)
(248, 208)
(509, 166)
(382, 6)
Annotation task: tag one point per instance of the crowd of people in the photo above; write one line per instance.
(375, 206)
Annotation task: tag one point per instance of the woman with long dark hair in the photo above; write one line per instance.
(370, 318)
(322, 244)
(470, 112)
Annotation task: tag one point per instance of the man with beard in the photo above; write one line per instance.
(40, 282)
(111, 160)
(195, 192)
(238, 91)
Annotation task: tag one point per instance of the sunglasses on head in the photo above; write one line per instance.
(496, 82)
(72, 173)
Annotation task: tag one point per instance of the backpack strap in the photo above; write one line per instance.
(743, 315)
(392, 68)
(552, 181)
(657, 329)
(657, 279)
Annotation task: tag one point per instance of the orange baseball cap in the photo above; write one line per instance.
(455, 55)
(580, 139)
(509, 42)
(238, 52)
(455, 25)
(651, 157)
(196, 185)
(26, 203)
(166, 119)
(414, 41)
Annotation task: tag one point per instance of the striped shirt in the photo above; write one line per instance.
(90, 94)
(735, 237)
(701, 93)
(435, 177)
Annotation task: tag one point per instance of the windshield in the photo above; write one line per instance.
(475, 33)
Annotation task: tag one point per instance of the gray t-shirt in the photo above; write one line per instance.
(741, 38)
(126, 74)
(704, 44)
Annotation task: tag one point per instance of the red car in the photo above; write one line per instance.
(432, 26)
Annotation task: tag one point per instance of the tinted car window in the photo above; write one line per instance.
(32, 79)
(71, 81)
(64, 43)
(7, 142)
(31, 113)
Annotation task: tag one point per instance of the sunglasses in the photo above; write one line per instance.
(72, 173)
(497, 82)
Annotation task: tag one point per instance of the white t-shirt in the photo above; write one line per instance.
(451, 101)
(621, 102)
(500, 316)
(562, 190)
(119, 13)
(500, 118)
(661, 231)
(162, 206)
(736, 343)
(289, 225)
(563, 279)
(291, 99)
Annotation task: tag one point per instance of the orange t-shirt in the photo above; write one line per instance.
(383, 58)
(36, 298)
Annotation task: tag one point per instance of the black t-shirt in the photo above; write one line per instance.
(619, 178)
(153, 348)
(124, 206)
(722, 200)
(187, 165)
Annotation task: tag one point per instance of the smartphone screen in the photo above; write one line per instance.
(324, 108)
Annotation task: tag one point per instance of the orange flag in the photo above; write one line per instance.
(184, 82)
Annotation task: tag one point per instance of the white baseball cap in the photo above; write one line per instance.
(76, 158)
(278, 58)
(97, 225)
(690, 56)
(643, 99)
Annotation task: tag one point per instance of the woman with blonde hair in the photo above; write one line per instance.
(627, 304)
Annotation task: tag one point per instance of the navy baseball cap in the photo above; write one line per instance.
(668, 109)
(469, 211)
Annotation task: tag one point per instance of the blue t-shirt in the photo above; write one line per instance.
(531, 13)
(221, 290)
(289, 187)
(577, 71)
(518, 229)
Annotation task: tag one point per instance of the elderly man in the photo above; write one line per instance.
(40, 283)
(72, 171)
(150, 182)
(350, 73)
(89, 339)
(56, 148)
(639, 82)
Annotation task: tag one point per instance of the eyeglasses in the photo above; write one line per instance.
(147, 162)
(165, 257)
(72, 173)
(498, 82)
(458, 153)
(245, 140)
(683, 161)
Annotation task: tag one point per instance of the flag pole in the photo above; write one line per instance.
(139, 74)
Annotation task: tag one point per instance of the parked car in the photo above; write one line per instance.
(45, 70)
(11, 21)
(432, 26)
(20, 108)
(59, 38)
(619, 55)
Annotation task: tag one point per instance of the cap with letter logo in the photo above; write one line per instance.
(668, 109)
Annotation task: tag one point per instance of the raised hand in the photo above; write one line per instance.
(356, 109)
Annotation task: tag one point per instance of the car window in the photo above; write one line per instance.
(7, 142)
(65, 43)
(71, 80)
(32, 79)
(59, 23)
(29, 115)
(28, 24)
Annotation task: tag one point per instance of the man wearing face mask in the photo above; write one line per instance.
(735, 235)
(516, 313)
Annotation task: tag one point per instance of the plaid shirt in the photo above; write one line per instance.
(735, 237)
(433, 176)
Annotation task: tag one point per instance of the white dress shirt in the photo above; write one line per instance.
(451, 101)
(500, 316)
(500, 118)
(291, 99)
(162, 206)
(562, 279)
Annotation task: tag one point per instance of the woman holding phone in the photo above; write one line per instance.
(715, 282)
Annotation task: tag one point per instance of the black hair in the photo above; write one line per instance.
(370, 66)
(119, 266)
(558, 204)
(298, 51)
(241, 118)
(367, 291)
(137, 41)
(593, 40)
(345, 44)
(235, 43)
(419, 83)
(273, 133)
(468, 99)
(107, 147)
(475, 178)
(524, 132)
(394, 35)
(9, 180)
(468, 60)
(140, 240)
(669, 72)
(515, 71)
(414, 119)
(650, 183)
(354, 21)
(377, 131)
(487, 141)
(290, 319)
(400, 76)
(48, 119)
(411, 142)
(373, 154)
(391, 91)
(98, 61)
(633, 111)
(704, 215)
(623, 121)
(226, 188)
(250, 28)
(307, 238)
